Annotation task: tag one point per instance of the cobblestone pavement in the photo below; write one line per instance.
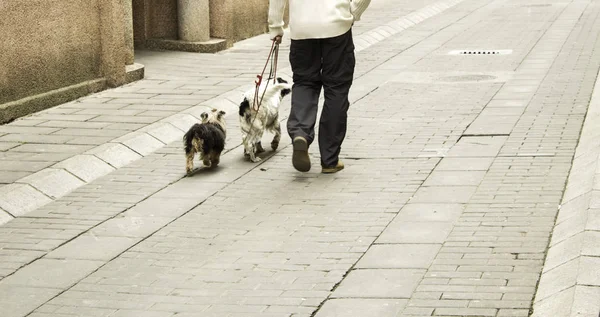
(456, 167)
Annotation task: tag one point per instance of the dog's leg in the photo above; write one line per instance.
(189, 166)
(250, 146)
(205, 157)
(277, 137)
(216, 159)
(259, 148)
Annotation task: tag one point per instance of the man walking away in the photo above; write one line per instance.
(322, 56)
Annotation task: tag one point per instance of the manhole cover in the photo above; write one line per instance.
(480, 52)
(473, 77)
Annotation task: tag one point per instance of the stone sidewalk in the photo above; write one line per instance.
(456, 167)
(49, 154)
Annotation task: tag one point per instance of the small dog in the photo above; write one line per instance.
(207, 139)
(254, 123)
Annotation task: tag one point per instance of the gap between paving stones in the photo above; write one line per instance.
(57, 180)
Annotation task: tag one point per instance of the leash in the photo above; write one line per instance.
(273, 58)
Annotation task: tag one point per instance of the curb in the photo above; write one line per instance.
(570, 284)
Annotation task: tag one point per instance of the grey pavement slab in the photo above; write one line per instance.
(19, 199)
(4, 217)
(133, 227)
(8, 177)
(399, 256)
(444, 194)
(416, 232)
(458, 178)
(141, 143)
(430, 212)
(85, 167)
(53, 182)
(361, 307)
(115, 154)
(52, 273)
(465, 164)
(92, 247)
(478, 146)
(371, 283)
(16, 301)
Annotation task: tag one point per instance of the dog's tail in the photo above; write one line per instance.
(283, 88)
(188, 138)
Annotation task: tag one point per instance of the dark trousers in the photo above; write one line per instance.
(327, 63)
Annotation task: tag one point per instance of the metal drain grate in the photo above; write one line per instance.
(480, 52)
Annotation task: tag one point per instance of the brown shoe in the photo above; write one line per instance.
(334, 169)
(300, 158)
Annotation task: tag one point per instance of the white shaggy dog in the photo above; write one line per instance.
(254, 123)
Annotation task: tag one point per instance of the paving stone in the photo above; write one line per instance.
(16, 301)
(162, 207)
(7, 177)
(134, 227)
(51, 273)
(589, 267)
(444, 194)
(141, 143)
(36, 138)
(415, 232)
(115, 154)
(492, 124)
(141, 313)
(53, 182)
(557, 280)
(556, 305)
(23, 166)
(51, 148)
(19, 199)
(181, 121)
(477, 146)
(164, 132)
(396, 283)
(459, 178)
(92, 247)
(5, 146)
(85, 167)
(465, 164)
(361, 307)
(399, 256)
(4, 217)
(430, 212)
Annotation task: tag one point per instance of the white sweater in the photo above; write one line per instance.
(315, 18)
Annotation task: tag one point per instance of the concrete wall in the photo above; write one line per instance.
(154, 19)
(236, 20)
(47, 44)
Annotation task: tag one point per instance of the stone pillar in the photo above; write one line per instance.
(129, 31)
(194, 20)
(112, 35)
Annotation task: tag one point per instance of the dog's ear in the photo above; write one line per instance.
(221, 114)
(244, 106)
(285, 92)
(281, 80)
(204, 116)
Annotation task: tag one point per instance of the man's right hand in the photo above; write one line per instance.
(277, 39)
